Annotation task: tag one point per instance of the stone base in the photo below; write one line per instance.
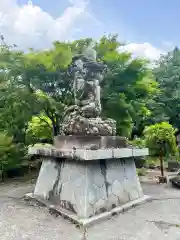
(88, 188)
(86, 154)
(58, 211)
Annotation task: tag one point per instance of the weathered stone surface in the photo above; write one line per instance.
(75, 124)
(88, 188)
(84, 154)
(46, 180)
(87, 74)
(89, 142)
(173, 165)
(83, 118)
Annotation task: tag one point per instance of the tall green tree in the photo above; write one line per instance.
(166, 104)
(127, 85)
(44, 77)
(16, 102)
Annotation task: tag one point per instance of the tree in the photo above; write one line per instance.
(11, 155)
(160, 139)
(17, 103)
(127, 85)
(44, 76)
(166, 103)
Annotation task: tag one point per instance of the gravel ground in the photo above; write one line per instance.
(159, 219)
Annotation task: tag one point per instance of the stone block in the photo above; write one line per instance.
(112, 202)
(88, 187)
(117, 188)
(46, 179)
(140, 152)
(87, 155)
(122, 153)
(173, 165)
(89, 142)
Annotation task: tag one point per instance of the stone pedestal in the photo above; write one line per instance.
(88, 184)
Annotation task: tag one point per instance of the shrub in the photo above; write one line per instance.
(11, 155)
(138, 142)
(39, 130)
(160, 139)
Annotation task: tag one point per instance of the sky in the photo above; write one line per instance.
(148, 26)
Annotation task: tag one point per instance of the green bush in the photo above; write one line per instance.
(160, 139)
(138, 142)
(11, 155)
(39, 128)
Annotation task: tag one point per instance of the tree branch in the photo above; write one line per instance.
(44, 120)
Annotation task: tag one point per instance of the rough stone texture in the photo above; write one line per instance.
(46, 180)
(83, 118)
(173, 165)
(87, 155)
(87, 74)
(89, 142)
(79, 125)
(88, 188)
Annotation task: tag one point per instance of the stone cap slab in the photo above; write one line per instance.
(90, 142)
(87, 155)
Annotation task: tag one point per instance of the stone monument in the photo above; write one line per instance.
(84, 117)
(89, 173)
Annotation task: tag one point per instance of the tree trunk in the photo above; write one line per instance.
(161, 164)
(55, 128)
(55, 124)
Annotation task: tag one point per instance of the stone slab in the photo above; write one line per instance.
(88, 188)
(92, 220)
(138, 152)
(90, 142)
(87, 155)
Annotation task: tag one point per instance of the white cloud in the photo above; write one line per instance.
(29, 26)
(143, 50)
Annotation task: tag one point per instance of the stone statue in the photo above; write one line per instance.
(90, 53)
(87, 76)
(84, 117)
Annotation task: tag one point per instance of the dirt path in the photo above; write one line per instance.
(159, 219)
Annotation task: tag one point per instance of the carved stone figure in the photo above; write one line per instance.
(84, 117)
(88, 74)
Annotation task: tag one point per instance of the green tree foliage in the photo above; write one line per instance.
(160, 139)
(166, 104)
(43, 76)
(16, 109)
(39, 128)
(127, 86)
(36, 88)
(11, 155)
